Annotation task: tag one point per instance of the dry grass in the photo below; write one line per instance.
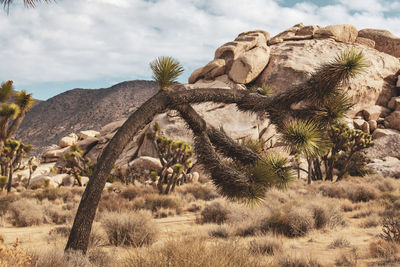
(199, 191)
(296, 260)
(220, 231)
(194, 252)
(266, 245)
(215, 212)
(129, 229)
(26, 212)
(339, 242)
(384, 249)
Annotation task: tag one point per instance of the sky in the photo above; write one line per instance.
(98, 43)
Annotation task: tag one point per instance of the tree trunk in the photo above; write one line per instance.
(10, 179)
(79, 235)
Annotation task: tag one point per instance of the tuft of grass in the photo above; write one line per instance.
(219, 232)
(383, 249)
(339, 242)
(195, 252)
(268, 246)
(215, 212)
(26, 212)
(134, 229)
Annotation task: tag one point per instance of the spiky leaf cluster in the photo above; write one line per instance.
(176, 151)
(24, 100)
(9, 110)
(303, 137)
(165, 71)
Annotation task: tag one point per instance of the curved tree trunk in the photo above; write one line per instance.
(79, 236)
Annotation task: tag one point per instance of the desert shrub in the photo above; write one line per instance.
(130, 192)
(362, 214)
(391, 226)
(114, 202)
(385, 185)
(390, 197)
(291, 260)
(215, 212)
(4, 205)
(195, 252)
(194, 207)
(129, 229)
(269, 246)
(155, 202)
(362, 193)
(348, 259)
(14, 256)
(199, 191)
(60, 230)
(347, 206)
(294, 223)
(332, 190)
(164, 213)
(219, 231)
(247, 228)
(26, 212)
(370, 222)
(57, 215)
(383, 249)
(339, 242)
(52, 257)
(320, 215)
(100, 257)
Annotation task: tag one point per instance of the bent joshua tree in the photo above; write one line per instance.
(209, 142)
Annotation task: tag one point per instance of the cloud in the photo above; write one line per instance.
(107, 39)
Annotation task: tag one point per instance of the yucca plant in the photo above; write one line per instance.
(28, 3)
(304, 138)
(165, 71)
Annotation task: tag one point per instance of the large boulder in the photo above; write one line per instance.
(388, 167)
(365, 41)
(249, 65)
(393, 120)
(87, 134)
(394, 103)
(292, 62)
(375, 112)
(111, 127)
(69, 140)
(378, 133)
(211, 70)
(53, 154)
(345, 33)
(146, 163)
(384, 146)
(384, 40)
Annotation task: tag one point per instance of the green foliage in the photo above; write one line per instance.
(272, 170)
(165, 71)
(23, 100)
(332, 108)
(6, 90)
(76, 164)
(303, 137)
(9, 110)
(172, 153)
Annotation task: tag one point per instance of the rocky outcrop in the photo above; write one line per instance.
(345, 33)
(384, 40)
(388, 167)
(69, 140)
(393, 120)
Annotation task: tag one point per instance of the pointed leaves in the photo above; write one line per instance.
(165, 71)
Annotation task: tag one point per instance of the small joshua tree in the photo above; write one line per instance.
(76, 164)
(172, 154)
(12, 154)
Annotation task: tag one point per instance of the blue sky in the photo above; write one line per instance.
(98, 43)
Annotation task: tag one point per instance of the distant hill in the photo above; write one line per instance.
(82, 109)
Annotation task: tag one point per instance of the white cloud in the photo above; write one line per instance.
(96, 39)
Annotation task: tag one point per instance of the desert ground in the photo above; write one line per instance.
(322, 224)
